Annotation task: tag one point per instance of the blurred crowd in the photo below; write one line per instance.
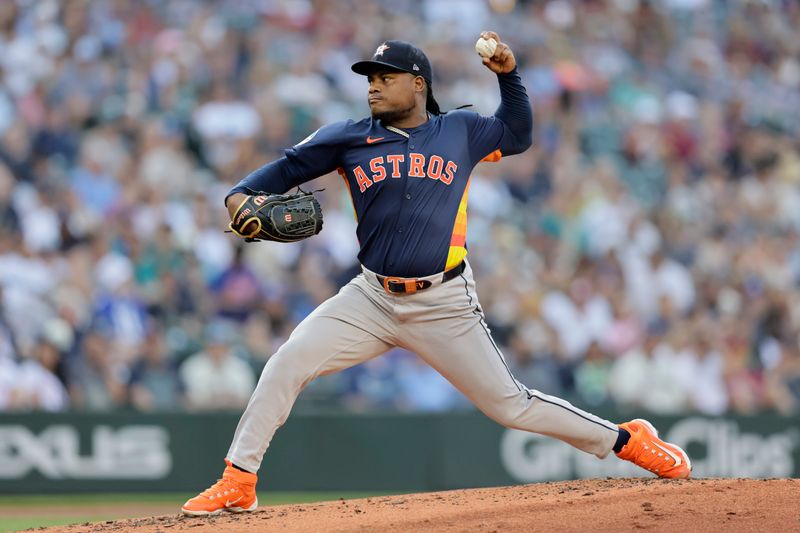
(642, 255)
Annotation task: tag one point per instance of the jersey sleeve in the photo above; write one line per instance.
(314, 156)
(509, 130)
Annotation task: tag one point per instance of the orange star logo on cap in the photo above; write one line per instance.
(381, 49)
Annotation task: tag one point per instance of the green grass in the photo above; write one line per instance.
(30, 500)
(38, 505)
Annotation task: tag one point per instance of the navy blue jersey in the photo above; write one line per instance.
(409, 186)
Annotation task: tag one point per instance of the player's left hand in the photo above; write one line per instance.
(503, 61)
(275, 217)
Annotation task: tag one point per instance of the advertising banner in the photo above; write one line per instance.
(184, 452)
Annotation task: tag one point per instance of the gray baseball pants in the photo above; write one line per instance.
(445, 326)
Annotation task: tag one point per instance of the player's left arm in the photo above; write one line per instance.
(312, 157)
(510, 129)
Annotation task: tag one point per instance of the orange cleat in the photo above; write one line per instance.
(645, 449)
(235, 492)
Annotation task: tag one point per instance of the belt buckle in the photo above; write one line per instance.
(389, 279)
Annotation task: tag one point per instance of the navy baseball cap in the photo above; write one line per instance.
(405, 57)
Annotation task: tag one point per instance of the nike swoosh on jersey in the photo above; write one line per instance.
(371, 140)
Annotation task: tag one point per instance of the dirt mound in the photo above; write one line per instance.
(596, 505)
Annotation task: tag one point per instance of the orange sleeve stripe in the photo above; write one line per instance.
(342, 173)
(492, 158)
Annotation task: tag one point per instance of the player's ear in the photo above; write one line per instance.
(419, 84)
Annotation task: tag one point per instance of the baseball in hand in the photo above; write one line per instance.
(486, 47)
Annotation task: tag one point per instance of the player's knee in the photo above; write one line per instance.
(506, 410)
(282, 367)
(505, 418)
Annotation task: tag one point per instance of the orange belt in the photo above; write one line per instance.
(396, 285)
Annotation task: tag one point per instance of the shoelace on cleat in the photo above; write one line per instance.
(652, 459)
(221, 487)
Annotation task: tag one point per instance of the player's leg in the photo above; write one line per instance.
(344, 331)
(449, 332)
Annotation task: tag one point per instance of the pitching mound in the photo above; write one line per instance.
(590, 505)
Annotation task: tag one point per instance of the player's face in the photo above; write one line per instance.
(392, 95)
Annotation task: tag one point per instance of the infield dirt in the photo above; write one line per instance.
(729, 505)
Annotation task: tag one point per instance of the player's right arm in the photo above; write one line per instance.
(509, 131)
(314, 156)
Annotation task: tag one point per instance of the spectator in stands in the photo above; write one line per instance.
(96, 380)
(368, 386)
(592, 375)
(423, 389)
(215, 378)
(630, 375)
(783, 381)
(533, 358)
(119, 310)
(581, 316)
(665, 178)
(154, 384)
(33, 383)
(9, 219)
(707, 391)
(237, 289)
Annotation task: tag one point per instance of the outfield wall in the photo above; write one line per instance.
(45, 453)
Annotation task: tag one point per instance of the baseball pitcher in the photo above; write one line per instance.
(407, 168)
